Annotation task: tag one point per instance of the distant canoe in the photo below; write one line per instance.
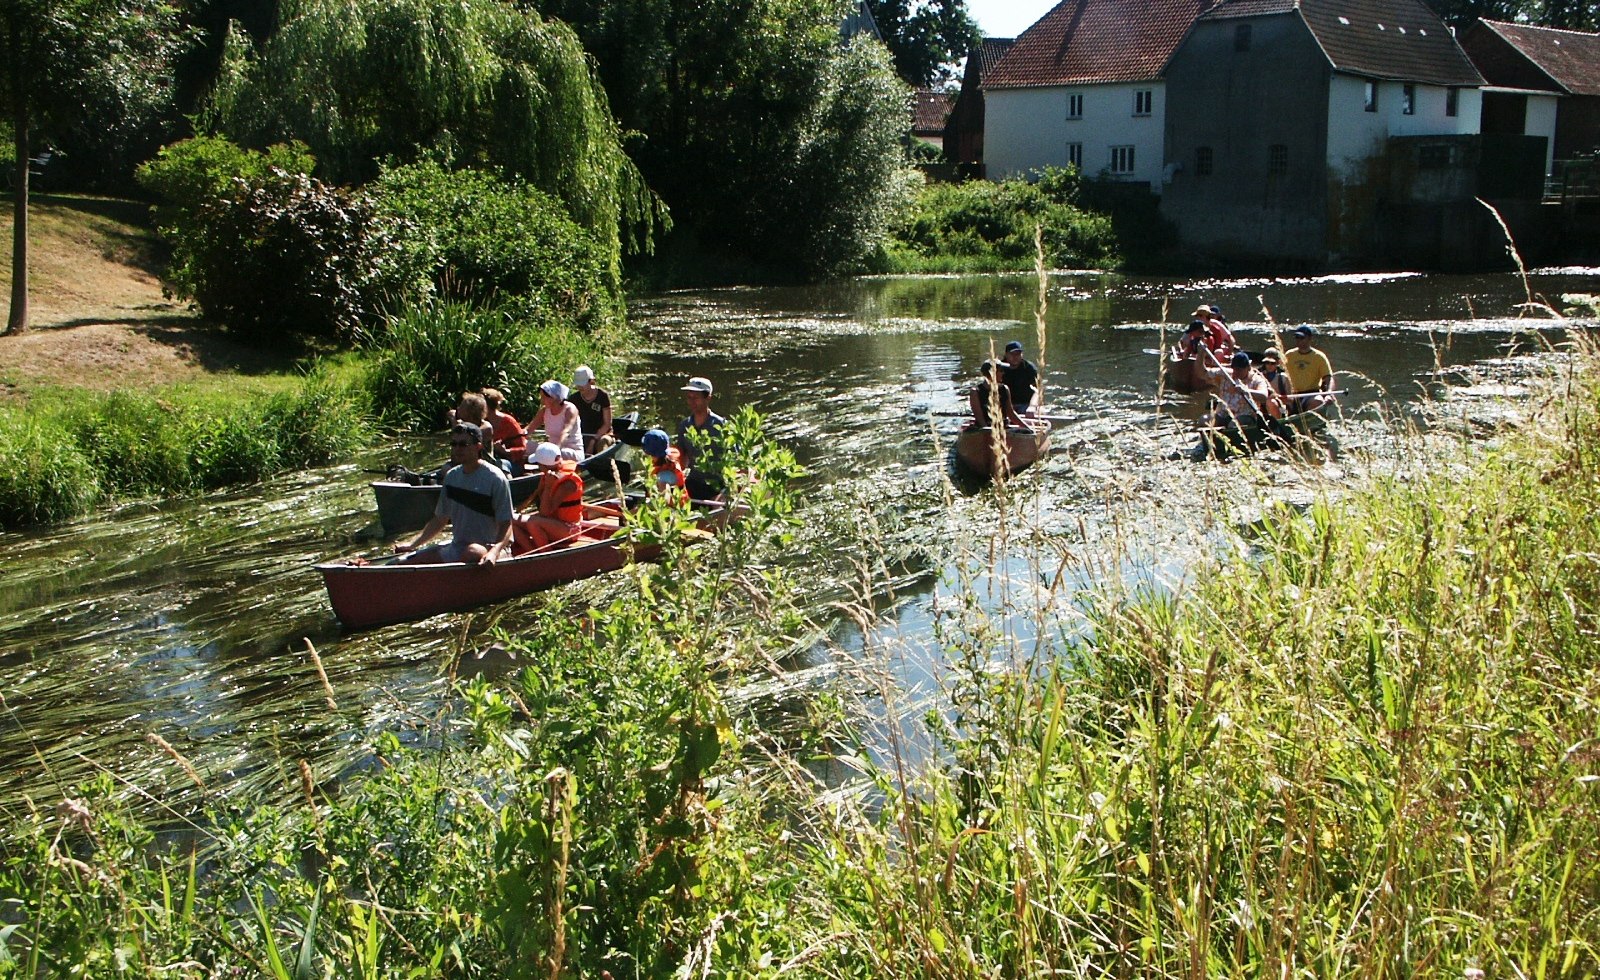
(403, 506)
(387, 591)
(1019, 449)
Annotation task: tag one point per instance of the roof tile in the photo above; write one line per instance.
(1570, 58)
(1088, 41)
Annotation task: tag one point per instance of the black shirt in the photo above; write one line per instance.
(1023, 381)
(591, 414)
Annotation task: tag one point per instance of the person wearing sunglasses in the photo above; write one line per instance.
(475, 500)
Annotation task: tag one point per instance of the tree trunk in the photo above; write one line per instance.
(18, 320)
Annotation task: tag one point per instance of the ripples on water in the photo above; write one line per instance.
(189, 619)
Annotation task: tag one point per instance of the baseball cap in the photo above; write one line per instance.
(654, 443)
(547, 454)
(702, 385)
(582, 376)
(1015, 345)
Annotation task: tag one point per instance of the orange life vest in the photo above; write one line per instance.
(561, 493)
(667, 471)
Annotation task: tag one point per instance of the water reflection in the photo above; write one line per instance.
(190, 619)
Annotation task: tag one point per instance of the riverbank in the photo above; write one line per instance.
(1362, 737)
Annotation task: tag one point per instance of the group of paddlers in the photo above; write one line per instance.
(1256, 396)
(475, 492)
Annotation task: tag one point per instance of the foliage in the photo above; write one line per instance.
(560, 824)
(732, 102)
(926, 37)
(466, 234)
(63, 458)
(478, 83)
(263, 247)
(985, 225)
(433, 351)
(847, 170)
(1577, 15)
(61, 56)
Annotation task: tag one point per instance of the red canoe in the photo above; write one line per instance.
(385, 591)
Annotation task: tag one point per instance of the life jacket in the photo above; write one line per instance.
(667, 471)
(561, 493)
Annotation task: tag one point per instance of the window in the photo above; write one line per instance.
(1142, 100)
(1241, 37)
(1202, 161)
(1075, 155)
(1372, 97)
(1075, 105)
(1452, 102)
(1122, 159)
(1408, 100)
(1277, 160)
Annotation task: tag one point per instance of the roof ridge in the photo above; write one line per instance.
(1533, 27)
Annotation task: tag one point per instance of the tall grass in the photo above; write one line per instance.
(61, 457)
(431, 353)
(1362, 743)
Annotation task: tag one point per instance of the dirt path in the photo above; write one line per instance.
(98, 316)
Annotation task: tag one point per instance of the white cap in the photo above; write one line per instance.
(555, 389)
(547, 454)
(702, 385)
(582, 376)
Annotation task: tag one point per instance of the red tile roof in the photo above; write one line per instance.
(990, 52)
(1400, 40)
(930, 110)
(1088, 41)
(1571, 59)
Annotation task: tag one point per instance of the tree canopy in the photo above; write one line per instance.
(476, 83)
(926, 37)
(728, 104)
(66, 62)
(1578, 15)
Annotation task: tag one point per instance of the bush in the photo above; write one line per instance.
(42, 476)
(434, 352)
(264, 247)
(991, 225)
(467, 235)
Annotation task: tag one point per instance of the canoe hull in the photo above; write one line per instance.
(403, 507)
(387, 592)
(1184, 375)
(1019, 449)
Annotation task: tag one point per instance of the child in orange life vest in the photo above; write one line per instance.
(666, 464)
(560, 496)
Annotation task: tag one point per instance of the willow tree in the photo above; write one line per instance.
(472, 83)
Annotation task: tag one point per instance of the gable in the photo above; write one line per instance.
(1566, 60)
(1083, 42)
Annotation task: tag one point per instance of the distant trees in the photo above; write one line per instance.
(769, 137)
(1578, 15)
(63, 62)
(926, 37)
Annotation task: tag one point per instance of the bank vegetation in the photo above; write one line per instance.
(1361, 741)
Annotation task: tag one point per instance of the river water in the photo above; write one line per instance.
(190, 620)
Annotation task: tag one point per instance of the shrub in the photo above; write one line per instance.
(43, 477)
(264, 247)
(992, 225)
(468, 235)
(433, 352)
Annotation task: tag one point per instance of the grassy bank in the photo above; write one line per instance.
(1364, 746)
(75, 450)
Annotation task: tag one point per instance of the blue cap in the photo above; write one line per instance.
(1015, 345)
(1305, 330)
(1241, 359)
(655, 443)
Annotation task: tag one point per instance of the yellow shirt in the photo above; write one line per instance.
(1307, 370)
